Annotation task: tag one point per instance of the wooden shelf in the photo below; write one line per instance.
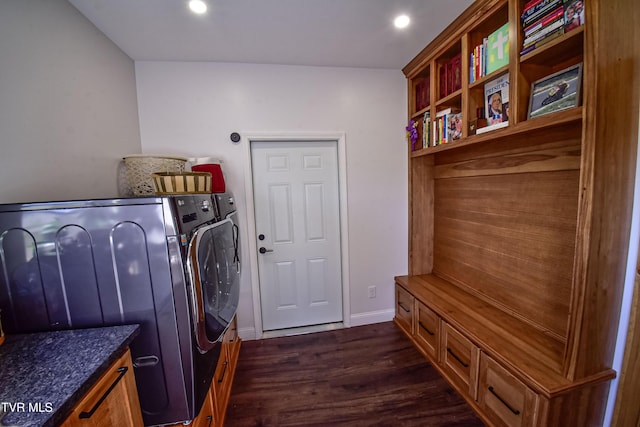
(560, 118)
(420, 113)
(518, 236)
(484, 79)
(452, 98)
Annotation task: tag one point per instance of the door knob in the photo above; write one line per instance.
(264, 250)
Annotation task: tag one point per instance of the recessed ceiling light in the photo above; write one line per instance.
(401, 21)
(198, 6)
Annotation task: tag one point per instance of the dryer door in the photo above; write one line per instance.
(214, 280)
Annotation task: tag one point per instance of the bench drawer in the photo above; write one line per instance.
(404, 309)
(427, 330)
(459, 358)
(504, 399)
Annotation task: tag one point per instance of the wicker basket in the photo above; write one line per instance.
(182, 183)
(139, 168)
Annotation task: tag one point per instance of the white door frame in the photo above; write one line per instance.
(339, 138)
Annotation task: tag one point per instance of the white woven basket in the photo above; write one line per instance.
(140, 167)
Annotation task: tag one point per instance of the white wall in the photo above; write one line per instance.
(68, 107)
(191, 108)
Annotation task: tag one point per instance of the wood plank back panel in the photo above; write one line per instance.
(505, 221)
(421, 232)
(515, 251)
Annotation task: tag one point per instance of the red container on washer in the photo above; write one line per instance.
(213, 166)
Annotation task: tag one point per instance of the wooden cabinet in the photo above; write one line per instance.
(112, 401)
(207, 415)
(225, 371)
(214, 407)
(518, 236)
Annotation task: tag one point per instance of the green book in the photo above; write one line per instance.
(498, 48)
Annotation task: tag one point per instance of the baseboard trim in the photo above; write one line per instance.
(247, 334)
(358, 319)
(371, 317)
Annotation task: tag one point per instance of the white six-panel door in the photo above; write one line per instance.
(296, 202)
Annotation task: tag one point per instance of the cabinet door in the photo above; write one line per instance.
(223, 377)
(427, 330)
(232, 340)
(459, 358)
(112, 401)
(206, 417)
(504, 399)
(404, 309)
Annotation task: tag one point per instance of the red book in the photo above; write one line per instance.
(443, 81)
(449, 77)
(422, 95)
(530, 4)
(456, 71)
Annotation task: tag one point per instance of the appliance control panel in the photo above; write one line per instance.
(194, 210)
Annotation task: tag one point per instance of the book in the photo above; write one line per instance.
(496, 96)
(528, 5)
(573, 14)
(422, 94)
(539, 35)
(544, 7)
(491, 127)
(443, 81)
(498, 49)
(443, 121)
(454, 126)
(543, 41)
(478, 61)
(426, 129)
(544, 21)
(456, 72)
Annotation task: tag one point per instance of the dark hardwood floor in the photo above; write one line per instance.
(363, 376)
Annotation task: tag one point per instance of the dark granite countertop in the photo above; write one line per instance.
(43, 375)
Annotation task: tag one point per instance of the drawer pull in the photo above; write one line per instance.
(210, 418)
(224, 371)
(84, 414)
(425, 328)
(466, 365)
(403, 307)
(515, 411)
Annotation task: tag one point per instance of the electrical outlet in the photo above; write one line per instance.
(372, 291)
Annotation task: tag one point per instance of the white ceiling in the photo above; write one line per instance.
(340, 33)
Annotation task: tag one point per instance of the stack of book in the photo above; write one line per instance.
(426, 129)
(491, 55)
(478, 61)
(446, 127)
(542, 21)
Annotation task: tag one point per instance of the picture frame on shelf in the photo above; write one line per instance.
(556, 92)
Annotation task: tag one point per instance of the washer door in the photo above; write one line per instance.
(214, 270)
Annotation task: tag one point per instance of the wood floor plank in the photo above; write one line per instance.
(363, 376)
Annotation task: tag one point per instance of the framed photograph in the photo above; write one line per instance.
(556, 92)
